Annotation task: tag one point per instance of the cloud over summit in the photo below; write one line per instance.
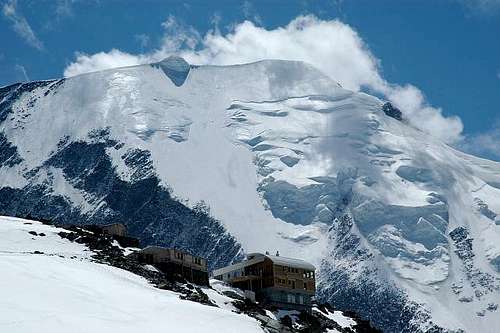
(330, 45)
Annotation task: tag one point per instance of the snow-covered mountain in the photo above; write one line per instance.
(272, 155)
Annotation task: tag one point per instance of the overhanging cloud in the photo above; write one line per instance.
(332, 46)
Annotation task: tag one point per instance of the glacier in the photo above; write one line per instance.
(272, 155)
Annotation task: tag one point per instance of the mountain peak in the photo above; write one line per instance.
(176, 68)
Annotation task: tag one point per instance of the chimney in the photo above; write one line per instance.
(267, 253)
(277, 253)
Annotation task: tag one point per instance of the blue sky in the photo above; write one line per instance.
(438, 59)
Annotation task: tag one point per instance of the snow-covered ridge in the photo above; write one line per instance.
(286, 160)
(58, 289)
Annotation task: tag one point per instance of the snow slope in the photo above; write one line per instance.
(61, 290)
(405, 230)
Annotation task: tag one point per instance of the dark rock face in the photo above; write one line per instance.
(481, 282)
(7, 96)
(392, 111)
(142, 204)
(387, 307)
(8, 153)
(463, 243)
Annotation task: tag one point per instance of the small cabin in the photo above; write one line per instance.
(284, 282)
(118, 232)
(114, 229)
(176, 263)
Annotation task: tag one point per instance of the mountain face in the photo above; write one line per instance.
(272, 155)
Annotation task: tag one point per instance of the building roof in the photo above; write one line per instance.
(113, 224)
(254, 258)
(155, 248)
(237, 266)
(291, 262)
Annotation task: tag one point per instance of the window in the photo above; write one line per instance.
(290, 298)
(301, 299)
(197, 260)
(305, 286)
(179, 255)
(308, 274)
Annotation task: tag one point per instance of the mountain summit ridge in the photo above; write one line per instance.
(272, 155)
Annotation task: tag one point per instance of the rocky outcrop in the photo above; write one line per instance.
(392, 111)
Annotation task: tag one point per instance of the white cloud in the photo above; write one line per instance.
(22, 72)
(485, 144)
(143, 40)
(64, 8)
(481, 6)
(427, 118)
(332, 46)
(20, 24)
(103, 60)
(250, 13)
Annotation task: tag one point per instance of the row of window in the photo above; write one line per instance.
(180, 256)
(290, 269)
(291, 298)
(291, 283)
(305, 274)
(308, 274)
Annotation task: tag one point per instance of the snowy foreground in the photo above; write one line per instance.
(61, 290)
(49, 284)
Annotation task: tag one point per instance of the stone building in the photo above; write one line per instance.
(114, 229)
(176, 263)
(119, 232)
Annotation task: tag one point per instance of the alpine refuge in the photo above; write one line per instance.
(285, 282)
(176, 263)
